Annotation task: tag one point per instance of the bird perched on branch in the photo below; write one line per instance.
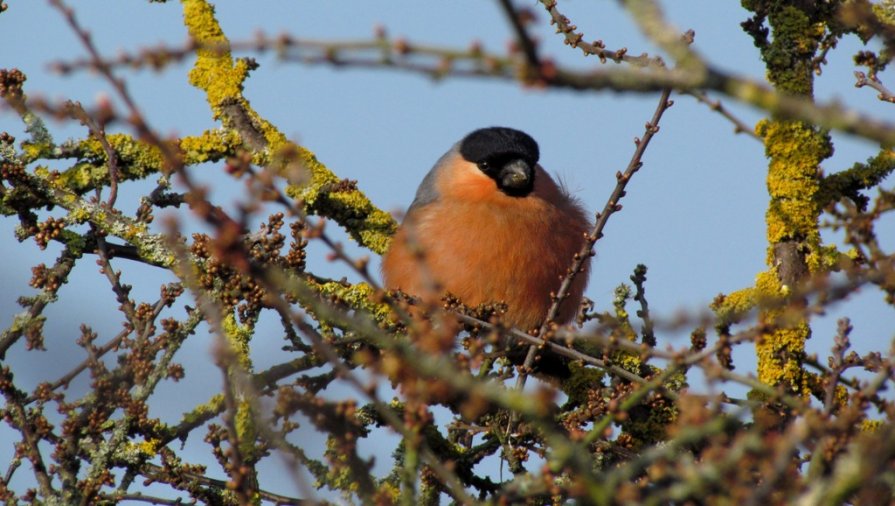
(489, 224)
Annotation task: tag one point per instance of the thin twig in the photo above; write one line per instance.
(587, 251)
(526, 43)
(559, 349)
(136, 117)
(885, 94)
(573, 38)
(648, 334)
(69, 376)
(838, 364)
(738, 125)
(649, 77)
(222, 485)
(64, 264)
(99, 133)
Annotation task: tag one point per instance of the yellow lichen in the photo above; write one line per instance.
(246, 433)
(80, 215)
(210, 146)
(133, 231)
(767, 286)
(826, 258)
(730, 307)
(795, 151)
(885, 11)
(389, 491)
(779, 357)
(150, 446)
(204, 411)
(31, 151)
(216, 73)
(627, 360)
(137, 160)
(780, 350)
(358, 296)
(238, 337)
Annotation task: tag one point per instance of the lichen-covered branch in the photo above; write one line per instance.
(324, 193)
(795, 150)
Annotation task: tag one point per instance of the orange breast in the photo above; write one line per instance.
(486, 247)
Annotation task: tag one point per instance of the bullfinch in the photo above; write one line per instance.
(488, 224)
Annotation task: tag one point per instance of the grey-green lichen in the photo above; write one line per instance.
(152, 247)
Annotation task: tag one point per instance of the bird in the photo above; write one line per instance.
(488, 224)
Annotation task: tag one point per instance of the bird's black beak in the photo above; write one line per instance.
(516, 178)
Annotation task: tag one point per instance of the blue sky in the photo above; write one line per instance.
(694, 214)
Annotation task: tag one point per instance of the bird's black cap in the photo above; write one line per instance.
(492, 143)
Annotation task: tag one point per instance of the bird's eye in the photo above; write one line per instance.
(483, 166)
